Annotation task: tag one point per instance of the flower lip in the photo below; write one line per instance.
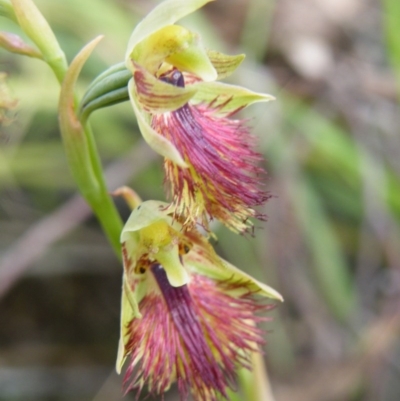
(196, 334)
(223, 178)
(183, 312)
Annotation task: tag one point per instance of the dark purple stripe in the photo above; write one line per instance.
(183, 313)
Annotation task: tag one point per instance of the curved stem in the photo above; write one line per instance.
(100, 201)
(255, 384)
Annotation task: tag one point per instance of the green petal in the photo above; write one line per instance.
(207, 263)
(166, 13)
(156, 141)
(145, 214)
(156, 96)
(230, 98)
(176, 273)
(224, 64)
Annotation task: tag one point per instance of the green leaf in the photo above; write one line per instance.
(391, 19)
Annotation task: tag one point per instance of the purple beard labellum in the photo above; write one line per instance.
(197, 335)
(223, 177)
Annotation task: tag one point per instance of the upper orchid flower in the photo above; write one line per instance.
(211, 168)
(187, 315)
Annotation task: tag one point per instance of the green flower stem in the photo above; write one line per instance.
(79, 143)
(391, 21)
(82, 153)
(100, 200)
(6, 10)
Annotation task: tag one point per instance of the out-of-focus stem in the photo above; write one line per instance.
(32, 22)
(6, 10)
(255, 384)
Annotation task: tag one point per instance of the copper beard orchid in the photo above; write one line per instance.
(187, 315)
(210, 163)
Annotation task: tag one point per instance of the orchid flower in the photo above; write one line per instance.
(187, 315)
(184, 114)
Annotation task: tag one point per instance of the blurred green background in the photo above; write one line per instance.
(331, 244)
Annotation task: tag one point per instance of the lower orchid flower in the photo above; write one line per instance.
(187, 315)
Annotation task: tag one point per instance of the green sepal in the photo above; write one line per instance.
(224, 271)
(127, 315)
(133, 292)
(203, 260)
(157, 142)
